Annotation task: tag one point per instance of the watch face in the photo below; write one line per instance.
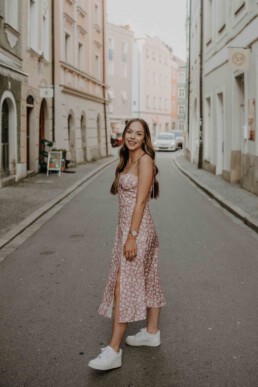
(134, 233)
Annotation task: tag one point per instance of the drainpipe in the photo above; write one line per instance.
(189, 65)
(200, 161)
(53, 68)
(104, 73)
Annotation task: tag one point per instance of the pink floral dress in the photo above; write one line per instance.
(139, 279)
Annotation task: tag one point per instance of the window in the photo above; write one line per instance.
(80, 56)
(165, 104)
(124, 52)
(96, 14)
(147, 53)
(97, 66)
(111, 45)
(181, 110)
(160, 103)
(181, 78)
(33, 25)
(45, 37)
(11, 8)
(181, 125)
(154, 103)
(153, 55)
(67, 48)
(181, 93)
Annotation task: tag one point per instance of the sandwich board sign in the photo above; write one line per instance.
(54, 161)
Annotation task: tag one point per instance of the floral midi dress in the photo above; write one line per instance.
(139, 279)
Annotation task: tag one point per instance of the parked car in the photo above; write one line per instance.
(179, 138)
(165, 141)
(116, 139)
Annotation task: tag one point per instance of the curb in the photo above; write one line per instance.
(10, 235)
(234, 210)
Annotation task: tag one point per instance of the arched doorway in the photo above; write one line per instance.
(30, 106)
(84, 136)
(42, 129)
(71, 137)
(8, 135)
(5, 140)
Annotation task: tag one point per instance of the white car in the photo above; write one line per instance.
(179, 138)
(165, 141)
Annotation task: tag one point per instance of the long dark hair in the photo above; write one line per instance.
(147, 147)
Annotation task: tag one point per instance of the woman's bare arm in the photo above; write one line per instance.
(145, 179)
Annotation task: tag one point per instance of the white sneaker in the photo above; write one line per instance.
(144, 338)
(107, 360)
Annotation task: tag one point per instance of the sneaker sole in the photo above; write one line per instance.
(142, 343)
(105, 368)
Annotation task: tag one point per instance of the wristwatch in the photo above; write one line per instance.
(134, 233)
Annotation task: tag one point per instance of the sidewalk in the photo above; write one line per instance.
(236, 200)
(25, 202)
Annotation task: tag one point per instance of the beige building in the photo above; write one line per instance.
(37, 91)
(80, 79)
(181, 94)
(11, 78)
(174, 93)
(225, 113)
(120, 42)
(152, 83)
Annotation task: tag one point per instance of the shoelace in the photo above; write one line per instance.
(142, 332)
(103, 352)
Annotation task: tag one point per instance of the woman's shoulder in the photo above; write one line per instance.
(146, 161)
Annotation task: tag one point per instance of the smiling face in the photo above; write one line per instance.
(134, 136)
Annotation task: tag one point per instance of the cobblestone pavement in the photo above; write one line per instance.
(19, 201)
(237, 200)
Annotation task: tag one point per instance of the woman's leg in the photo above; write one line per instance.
(118, 328)
(153, 320)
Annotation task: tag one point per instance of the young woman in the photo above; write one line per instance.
(133, 285)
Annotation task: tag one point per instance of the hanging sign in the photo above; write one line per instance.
(54, 161)
(239, 58)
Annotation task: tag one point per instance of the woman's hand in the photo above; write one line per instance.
(130, 248)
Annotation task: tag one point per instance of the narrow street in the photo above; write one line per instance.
(51, 287)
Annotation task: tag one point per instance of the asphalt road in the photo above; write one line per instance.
(51, 287)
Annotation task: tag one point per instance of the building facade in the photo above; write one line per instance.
(120, 42)
(181, 94)
(152, 83)
(174, 94)
(37, 91)
(11, 78)
(80, 79)
(223, 112)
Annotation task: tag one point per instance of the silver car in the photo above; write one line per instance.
(165, 141)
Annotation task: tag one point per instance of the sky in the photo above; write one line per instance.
(162, 18)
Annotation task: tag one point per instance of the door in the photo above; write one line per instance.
(220, 134)
(5, 140)
(30, 105)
